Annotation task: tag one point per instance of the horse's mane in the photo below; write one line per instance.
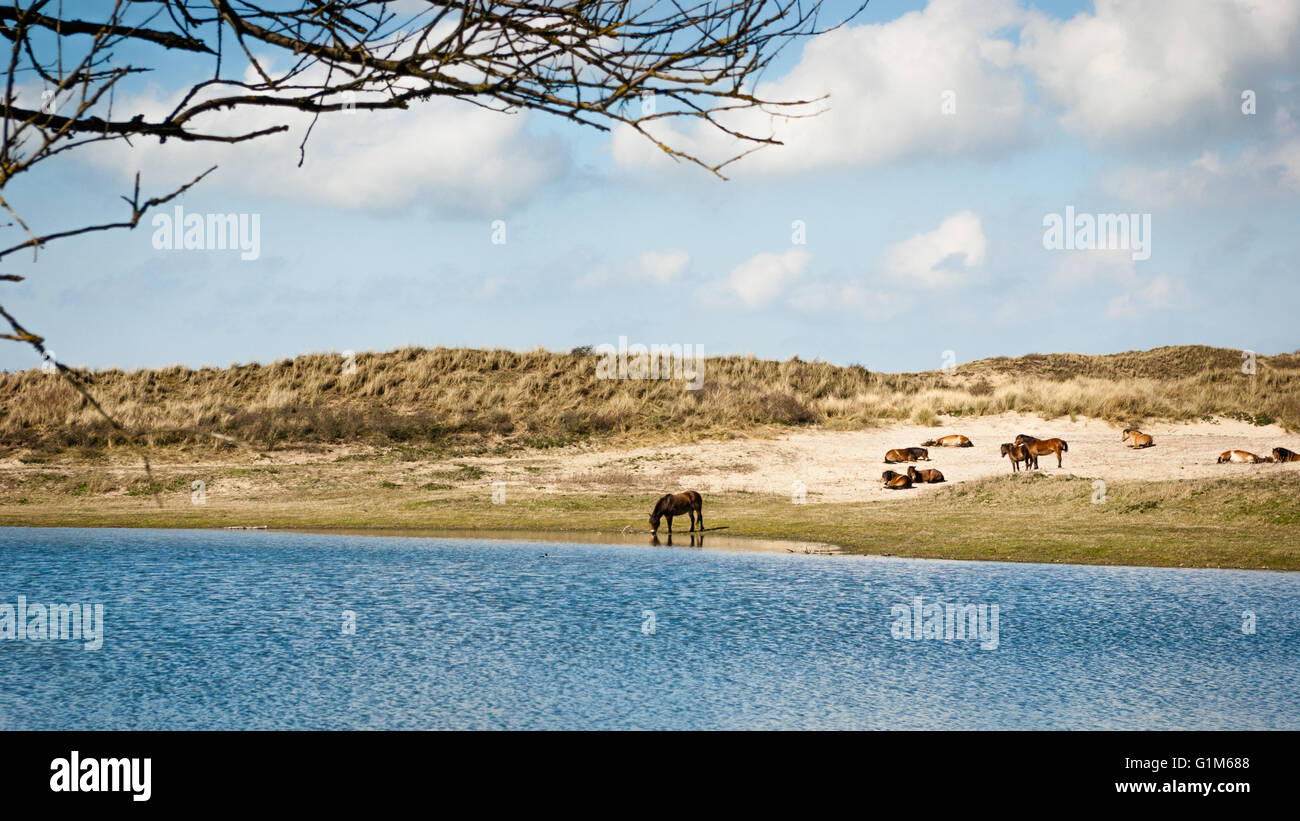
(662, 503)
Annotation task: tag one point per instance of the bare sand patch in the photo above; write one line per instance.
(845, 466)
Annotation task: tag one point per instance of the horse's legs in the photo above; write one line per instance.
(1058, 457)
(691, 513)
(669, 516)
(700, 512)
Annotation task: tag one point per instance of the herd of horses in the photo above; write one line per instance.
(1025, 450)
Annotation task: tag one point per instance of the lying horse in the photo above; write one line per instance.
(1018, 454)
(927, 476)
(955, 440)
(1136, 438)
(1242, 456)
(1042, 447)
(907, 455)
(1284, 455)
(896, 481)
(675, 504)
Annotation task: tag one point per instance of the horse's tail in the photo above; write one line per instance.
(1065, 445)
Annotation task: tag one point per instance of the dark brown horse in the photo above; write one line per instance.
(926, 476)
(1042, 447)
(675, 504)
(896, 481)
(1017, 454)
(907, 455)
(1284, 455)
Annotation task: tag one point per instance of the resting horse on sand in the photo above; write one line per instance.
(1242, 456)
(896, 481)
(1042, 447)
(675, 504)
(1136, 438)
(955, 440)
(1284, 455)
(906, 455)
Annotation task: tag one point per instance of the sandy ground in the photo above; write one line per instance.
(839, 466)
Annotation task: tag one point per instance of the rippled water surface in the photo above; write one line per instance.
(224, 630)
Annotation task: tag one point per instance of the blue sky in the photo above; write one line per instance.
(924, 229)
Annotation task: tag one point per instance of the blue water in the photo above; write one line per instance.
(226, 630)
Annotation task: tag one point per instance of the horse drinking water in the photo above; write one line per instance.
(675, 504)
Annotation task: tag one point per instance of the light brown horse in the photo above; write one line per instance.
(675, 504)
(927, 476)
(1242, 456)
(1284, 455)
(955, 440)
(896, 481)
(1042, 447)
(1018, 454)
(907, 455)
(1136, 438)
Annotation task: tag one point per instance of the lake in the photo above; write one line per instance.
(281, 630)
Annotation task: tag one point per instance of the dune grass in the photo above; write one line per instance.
(466, 401)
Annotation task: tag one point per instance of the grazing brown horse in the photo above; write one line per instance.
(1284, 455)
(1042, 447)
(1018, 454)
(907, 455)
(955, 440)
(896, 481)
(1242, 456)
(1136, 438)
(675, 504)
(927, 476)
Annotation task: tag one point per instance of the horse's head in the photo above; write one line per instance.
(929, 443)
(1006, 448)
(912, 473)
(1024, 439)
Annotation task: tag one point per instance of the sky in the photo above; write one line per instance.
(909, 220)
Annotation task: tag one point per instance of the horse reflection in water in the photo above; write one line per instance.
(697, 540)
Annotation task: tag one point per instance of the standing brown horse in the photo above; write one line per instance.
(675, 504)
(1017, 454)
(1042, 447)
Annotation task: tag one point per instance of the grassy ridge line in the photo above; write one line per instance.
(468, 399)
(1234, 523)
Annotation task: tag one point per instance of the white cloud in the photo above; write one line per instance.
(661, 266)
(758, 280)
(657, 266)
(1212, 178)
(886, 83)
(445, 154)
(938, 258)
(1161, 293)
(1137, 69)
(873, 305)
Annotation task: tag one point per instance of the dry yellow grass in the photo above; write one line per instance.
(469, 400)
